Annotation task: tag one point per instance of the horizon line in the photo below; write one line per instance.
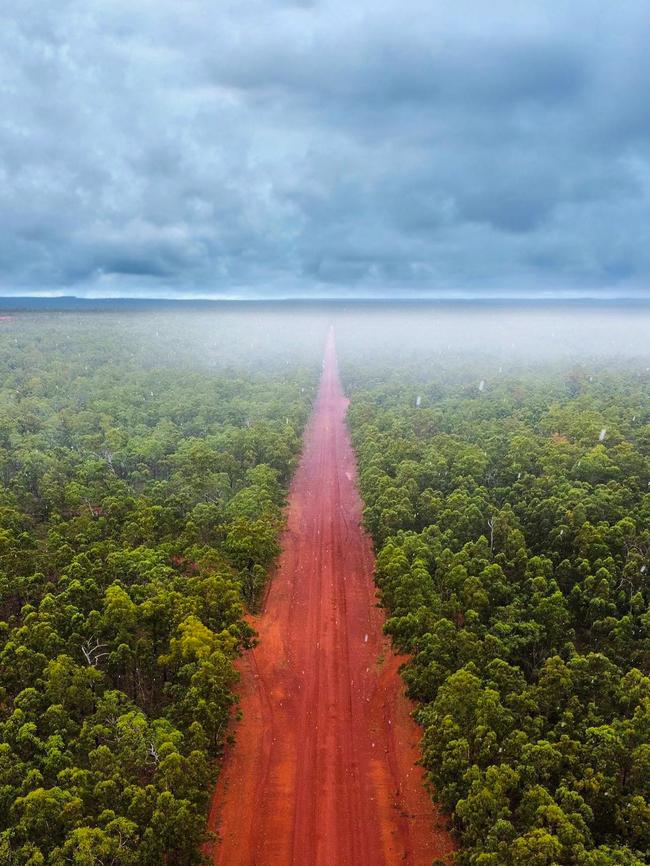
(337, 299)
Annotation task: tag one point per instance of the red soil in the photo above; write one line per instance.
(323, 769)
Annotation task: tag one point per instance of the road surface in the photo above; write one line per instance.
(323, 771)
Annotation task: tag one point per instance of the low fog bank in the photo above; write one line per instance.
(516, 333)
(269, 336)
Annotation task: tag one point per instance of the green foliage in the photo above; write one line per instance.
(513, 536)
(140, 507)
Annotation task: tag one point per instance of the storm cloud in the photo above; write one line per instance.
(249, 148)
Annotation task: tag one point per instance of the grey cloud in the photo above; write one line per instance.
(268, 147)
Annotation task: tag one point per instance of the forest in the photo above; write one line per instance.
(145, 461)
(511, 517)
(142, 493)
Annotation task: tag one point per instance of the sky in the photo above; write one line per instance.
(262, 148)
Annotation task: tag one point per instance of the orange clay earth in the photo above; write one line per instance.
(323, 771)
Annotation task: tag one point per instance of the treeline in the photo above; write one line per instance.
(140, 507)
(511, 516)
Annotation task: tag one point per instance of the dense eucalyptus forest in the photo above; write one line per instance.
(144, 470)
(511, 517)
(145, 460)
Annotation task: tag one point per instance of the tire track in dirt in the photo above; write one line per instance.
(323, 769)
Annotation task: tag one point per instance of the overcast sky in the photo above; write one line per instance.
(162, 147)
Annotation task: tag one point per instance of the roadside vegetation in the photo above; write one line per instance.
(511, 517)
(143, 480)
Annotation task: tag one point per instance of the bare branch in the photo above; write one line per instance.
(93, 651)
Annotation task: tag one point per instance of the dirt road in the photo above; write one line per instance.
(323, 770)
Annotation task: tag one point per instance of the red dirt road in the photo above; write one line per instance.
(323, 769)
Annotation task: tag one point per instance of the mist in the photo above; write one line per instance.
(275, 335)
